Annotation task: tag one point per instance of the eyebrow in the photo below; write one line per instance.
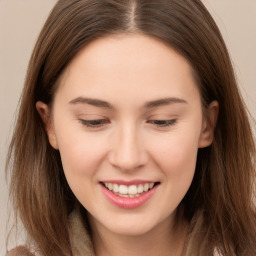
(93, 102)
(104, 104)
(163, 102)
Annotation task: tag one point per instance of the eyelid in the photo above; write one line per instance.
(94, 123)
(162, 123)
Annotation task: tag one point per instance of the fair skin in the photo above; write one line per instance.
(128, 112)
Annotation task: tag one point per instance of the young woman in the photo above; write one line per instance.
(132, 136)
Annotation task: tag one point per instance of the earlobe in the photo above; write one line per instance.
(44, 112)
(209, 123)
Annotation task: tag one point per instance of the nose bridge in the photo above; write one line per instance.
(128, 152)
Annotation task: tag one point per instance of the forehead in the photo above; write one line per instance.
(128, 63)
(129, 51)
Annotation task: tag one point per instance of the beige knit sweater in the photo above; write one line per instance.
(80, 239)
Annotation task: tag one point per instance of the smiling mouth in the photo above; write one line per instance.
(129, 191)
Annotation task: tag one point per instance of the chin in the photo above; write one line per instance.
(134, 224)
(131, 230)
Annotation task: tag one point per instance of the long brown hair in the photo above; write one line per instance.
(219, 204)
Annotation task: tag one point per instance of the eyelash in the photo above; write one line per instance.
(97, 123)
(163, 123)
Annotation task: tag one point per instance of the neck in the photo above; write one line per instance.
(165, 239)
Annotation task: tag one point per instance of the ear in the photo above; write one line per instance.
(44, 112)
(209, 123)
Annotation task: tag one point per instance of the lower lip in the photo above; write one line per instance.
(128, 202)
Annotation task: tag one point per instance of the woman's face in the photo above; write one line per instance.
(127, 120)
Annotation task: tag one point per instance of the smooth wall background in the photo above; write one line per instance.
(21, 21)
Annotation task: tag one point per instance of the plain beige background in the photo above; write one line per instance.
(20, 23)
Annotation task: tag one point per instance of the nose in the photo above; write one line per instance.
(128, 151)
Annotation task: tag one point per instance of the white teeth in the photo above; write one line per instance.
(110, 186)
(129, 191)
(115, 188)
(140, 188)
(123, 189)
(146, 187)
(132, 190)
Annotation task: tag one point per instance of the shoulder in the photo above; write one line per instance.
(19, 251)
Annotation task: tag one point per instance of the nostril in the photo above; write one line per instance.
(127, 154)
(125, 163)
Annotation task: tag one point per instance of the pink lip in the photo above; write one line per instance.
(127, 202)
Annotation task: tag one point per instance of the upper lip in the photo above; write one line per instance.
(128, 183)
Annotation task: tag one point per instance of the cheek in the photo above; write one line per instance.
(81, 159)
(176, 156)
(178, 160)
(177, 164)
(80, 154)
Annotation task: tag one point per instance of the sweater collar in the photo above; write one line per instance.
(79, 236)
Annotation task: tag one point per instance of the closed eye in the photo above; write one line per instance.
(98, 123)
(95, 123)
(163, 123)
